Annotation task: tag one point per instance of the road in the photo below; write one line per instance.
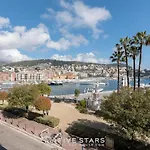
(11, 139)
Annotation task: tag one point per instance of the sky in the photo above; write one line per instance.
(81, 30)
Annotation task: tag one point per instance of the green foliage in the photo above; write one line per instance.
(57, 100)
(48, 120)
(83, 103)
(81, 106)
(23, 96)
(33, 115)
(18, 112)
(44, 89)
(82, 130)
(129, 111)
(77, 92)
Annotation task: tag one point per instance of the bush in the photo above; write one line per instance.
(33, 115)
(19, 112)
(83, 110)
(48, 120)
(56, 100)
(82, 106)
(83, 103)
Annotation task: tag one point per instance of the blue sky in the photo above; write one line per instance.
(84, 30)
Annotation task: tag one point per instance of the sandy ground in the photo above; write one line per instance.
(67, 114)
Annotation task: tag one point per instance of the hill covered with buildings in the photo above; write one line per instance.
(46, 70)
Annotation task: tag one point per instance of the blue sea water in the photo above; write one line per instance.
(69, 88)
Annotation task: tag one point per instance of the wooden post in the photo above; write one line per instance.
(11, 121)
(18, 124)
(25, 127)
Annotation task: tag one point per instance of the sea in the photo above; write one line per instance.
(69, 88)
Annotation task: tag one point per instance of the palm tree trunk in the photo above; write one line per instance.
(118, 76)
(139, 69)
(134, 73)
(127, 68)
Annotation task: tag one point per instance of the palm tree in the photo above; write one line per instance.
(148, 40)
(117, 57)
(133, 53)
(140, 39)
(125, 44)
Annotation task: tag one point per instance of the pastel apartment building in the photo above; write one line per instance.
(7, 77)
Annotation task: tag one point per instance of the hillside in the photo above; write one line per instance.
(30, 63)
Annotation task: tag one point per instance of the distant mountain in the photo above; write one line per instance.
(30, 63)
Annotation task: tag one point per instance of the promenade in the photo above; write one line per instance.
(81, 96)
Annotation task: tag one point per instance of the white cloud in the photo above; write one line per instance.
(24, 39)
(19, 29)
(67, 41)
(4, 22)
(65, 4)
(64, 17)
(19, 37)
(79, 15)
(12, 55)
(62, 44)
(83, 57)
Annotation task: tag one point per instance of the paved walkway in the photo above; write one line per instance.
(36, 128)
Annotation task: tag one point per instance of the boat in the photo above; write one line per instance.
(102, 83)
(55, 83)
(92, 90)
(100, 90)
(86, 83)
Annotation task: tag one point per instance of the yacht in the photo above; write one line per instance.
(56, 83)
(102, 83)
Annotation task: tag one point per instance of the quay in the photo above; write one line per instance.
(81, 96)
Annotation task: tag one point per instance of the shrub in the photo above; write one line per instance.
(56, 100)
(19, 112)
(83, 103)
(48, 120)
(82, 106)
(83, 110)
(33, 115)
(129, 111)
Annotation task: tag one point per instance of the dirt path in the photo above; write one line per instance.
(68, 114)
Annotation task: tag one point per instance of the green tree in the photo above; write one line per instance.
(117, 56)
(76, 92)
(44, 104)
(125, 45)
(44, 88)
(23, 96)
(129, 111)
(140, 39)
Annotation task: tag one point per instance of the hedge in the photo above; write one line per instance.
(19, 112)
(48, 120)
